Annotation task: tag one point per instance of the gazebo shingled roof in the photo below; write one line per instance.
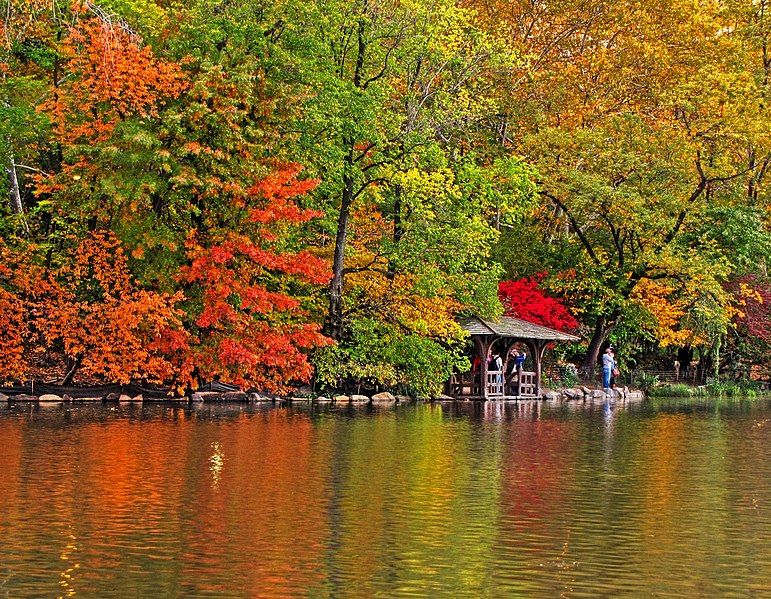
(515, 328)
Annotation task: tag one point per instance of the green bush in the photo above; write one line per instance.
(724, 389)
(733, 389)
(569, 375)
(375, 354)
(646, 382)
(674, 390)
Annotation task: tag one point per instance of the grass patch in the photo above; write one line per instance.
(726, 389)
(732, 389)
(674, 390)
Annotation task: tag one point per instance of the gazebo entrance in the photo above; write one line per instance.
(504, 380)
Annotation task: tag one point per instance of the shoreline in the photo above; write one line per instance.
(567, 394)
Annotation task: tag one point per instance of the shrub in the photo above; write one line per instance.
(675, 390)
(645, 381)
(569, 374)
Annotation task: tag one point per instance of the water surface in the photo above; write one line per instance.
(664, 498)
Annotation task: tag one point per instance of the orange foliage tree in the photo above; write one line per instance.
(13, 330)
(251, 327)
(114, 77)
(91, 310)
(111, 86)
(107, 325)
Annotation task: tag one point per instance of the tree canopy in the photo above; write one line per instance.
(270, 193)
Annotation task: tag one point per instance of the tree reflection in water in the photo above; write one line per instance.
(462, 499)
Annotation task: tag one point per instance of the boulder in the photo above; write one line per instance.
(443, 397)
(598, 394)
(403, 398)
(66, 397)
(112, 397)
(296, 399)
(322, 399)
(587, 391)
(124, 398)
(383, 396)
(572, 393)
(342, 399)
(234, 396)
(50, 397)
(551, 395)
(359, 399)
(257, 397)
(4, 397)
(24, 397)
(196, 397)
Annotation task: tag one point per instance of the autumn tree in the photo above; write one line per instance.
(638, 118)
(13, 316)
(251, 327)
(389, 80)
(753, 320)
(90, 310)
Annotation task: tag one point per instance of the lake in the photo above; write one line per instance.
(663, 498)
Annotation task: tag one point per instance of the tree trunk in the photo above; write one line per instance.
(73, 368)
(335, 316)
(716, 359)
(602, 329)
(398, 231)
(16, 206)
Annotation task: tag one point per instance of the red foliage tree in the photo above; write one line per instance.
(524, 299)
(755, 297)
(251, 327)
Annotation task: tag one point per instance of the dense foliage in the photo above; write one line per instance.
(273, 192)
(524, 299)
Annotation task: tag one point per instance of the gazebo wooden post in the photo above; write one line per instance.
(540, 348)
(484, 347)
(533, 347)
(480, 345)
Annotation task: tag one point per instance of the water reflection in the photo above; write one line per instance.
(664, 498)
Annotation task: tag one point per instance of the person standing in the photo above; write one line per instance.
(498, 365)
(519, 361)
(608, 364)
(614, 372)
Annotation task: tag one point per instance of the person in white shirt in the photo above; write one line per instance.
(608, 364)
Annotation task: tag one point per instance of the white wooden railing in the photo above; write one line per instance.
(518, 384)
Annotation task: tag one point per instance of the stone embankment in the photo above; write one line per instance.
(209, 397)
(383, 398)
(584, 393)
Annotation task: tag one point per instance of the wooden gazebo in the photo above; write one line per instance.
(485, 383)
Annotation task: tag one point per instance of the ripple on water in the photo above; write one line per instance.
(667, 498)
